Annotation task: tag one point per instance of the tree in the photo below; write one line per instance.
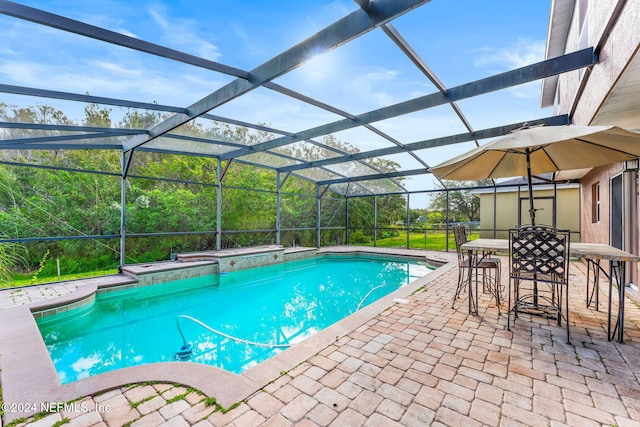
(463, 205)
(72, 201)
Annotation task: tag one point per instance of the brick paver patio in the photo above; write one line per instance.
(421, 363)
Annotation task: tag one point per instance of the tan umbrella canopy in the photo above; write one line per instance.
(536, 150)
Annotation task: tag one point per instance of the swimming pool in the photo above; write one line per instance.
(266, 308)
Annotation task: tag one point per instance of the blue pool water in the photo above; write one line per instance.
(275, 305)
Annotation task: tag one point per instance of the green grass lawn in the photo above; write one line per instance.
(25, 280)
(433, 241)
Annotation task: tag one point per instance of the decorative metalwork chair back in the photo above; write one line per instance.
(540, 251)
(460, 236)
(539, 256)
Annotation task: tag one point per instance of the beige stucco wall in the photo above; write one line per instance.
(622, 43)
(567, 211)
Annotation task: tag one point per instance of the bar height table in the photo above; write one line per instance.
(592, 252)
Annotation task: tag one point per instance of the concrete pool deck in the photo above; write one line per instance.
(407, 364)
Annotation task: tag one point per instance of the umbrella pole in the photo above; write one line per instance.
(532, 211)
(532, 215)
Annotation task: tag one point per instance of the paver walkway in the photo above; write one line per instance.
(422, 363)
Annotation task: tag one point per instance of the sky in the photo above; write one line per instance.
(460, 40)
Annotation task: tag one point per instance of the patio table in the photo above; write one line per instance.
(593, 253)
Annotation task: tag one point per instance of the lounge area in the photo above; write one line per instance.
(420, 362)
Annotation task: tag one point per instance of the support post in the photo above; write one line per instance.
(123, 209)
(446, 219)
(318, 216)
(495, 209)
(346, 221)
(519, 206)
(630, 225)
(218, 207)
(408, 217)
(278, 208)
(375, 221)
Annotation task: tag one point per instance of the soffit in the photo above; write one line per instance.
(621, 106)
(559, 25)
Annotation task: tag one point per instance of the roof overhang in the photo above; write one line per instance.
(621, 107)
(560, 18)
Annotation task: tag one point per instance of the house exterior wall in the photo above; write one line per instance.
(567, 211)
(592, 231)
(620, 46)
(617, 49)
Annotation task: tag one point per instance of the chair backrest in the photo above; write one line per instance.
(460, 236)
(540, 253)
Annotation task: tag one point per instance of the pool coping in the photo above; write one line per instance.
(22, 349)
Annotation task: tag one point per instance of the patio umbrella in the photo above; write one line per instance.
(536, 150)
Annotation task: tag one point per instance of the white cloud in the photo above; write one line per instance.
(183, 35)
(159, 19)
(522, 52)
(126, 32)
(370, 84)
(119, 69)
(102, 78)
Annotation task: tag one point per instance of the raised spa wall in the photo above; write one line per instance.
(198, 264)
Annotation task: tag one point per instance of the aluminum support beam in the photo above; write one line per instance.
(278, 229)
(529, 73)
(421, 171)
(318, 195)
(340, 32)
(218, 207)
(52, 139)
(346, 221)
(408, 220)
(395, 36)
(430, 143)
(91, 99)
(123, 213)
(375, 221)
(70, 128)
(60, 22)
(406, 48)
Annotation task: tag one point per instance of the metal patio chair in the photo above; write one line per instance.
(487, 267)
(539, 273)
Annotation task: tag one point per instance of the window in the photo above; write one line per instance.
(595, 203)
